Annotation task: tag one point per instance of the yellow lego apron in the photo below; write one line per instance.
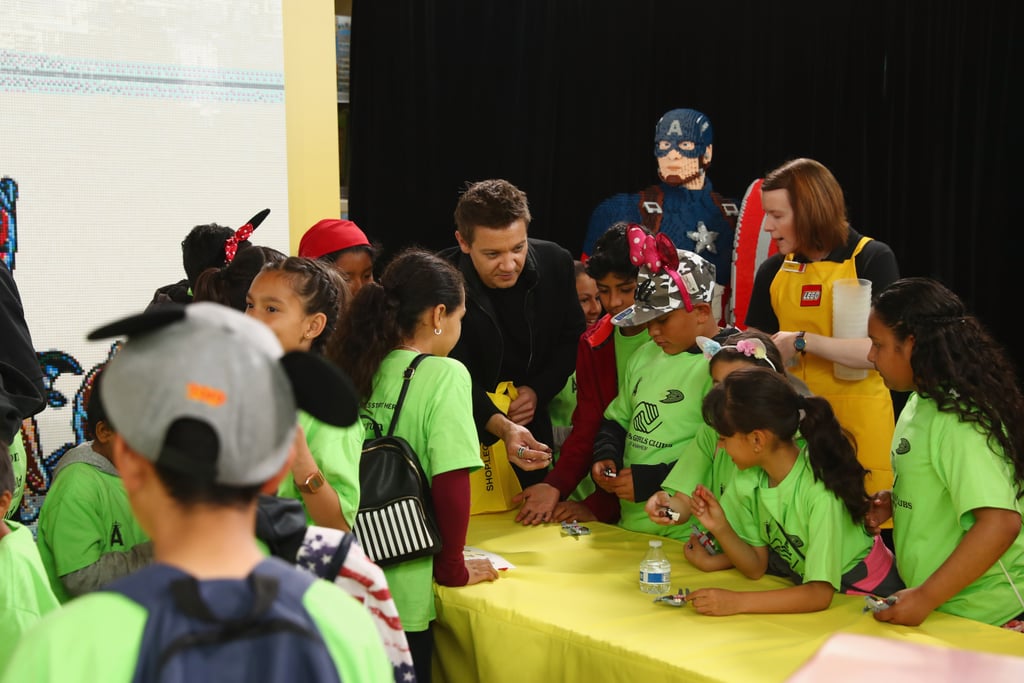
(801, 295)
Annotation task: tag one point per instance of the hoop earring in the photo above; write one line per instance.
(437, 331)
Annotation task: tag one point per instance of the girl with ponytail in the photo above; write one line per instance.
(799, 492)
(417, 308)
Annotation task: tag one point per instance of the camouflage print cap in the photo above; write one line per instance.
(658, 292)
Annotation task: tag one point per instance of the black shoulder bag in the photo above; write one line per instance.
(395, 522)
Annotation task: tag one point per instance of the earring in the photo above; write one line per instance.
(437, 331)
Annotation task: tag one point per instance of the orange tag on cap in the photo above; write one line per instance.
(204, 394)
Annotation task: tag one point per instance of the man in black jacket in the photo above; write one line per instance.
(523, 320)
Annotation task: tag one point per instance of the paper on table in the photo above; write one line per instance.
(499, 562)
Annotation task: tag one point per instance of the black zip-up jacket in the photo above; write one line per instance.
(21, 378)
(555, 320)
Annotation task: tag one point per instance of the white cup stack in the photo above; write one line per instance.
(851, 303)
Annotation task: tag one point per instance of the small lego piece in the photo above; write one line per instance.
(670, 513)
(609, 472)
(873, 603)
(677, 600)
(704, 539)
(575, 529)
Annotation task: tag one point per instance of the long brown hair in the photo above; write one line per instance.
(819, 209)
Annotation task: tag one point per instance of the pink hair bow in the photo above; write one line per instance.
(654, 251)
(658, 253)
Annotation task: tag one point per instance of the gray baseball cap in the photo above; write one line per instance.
(206, 391)
(658, 293)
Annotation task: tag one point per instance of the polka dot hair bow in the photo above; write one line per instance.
(654, 251)
(242, 234)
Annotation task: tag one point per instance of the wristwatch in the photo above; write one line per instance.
(313, 482)
(800, 344)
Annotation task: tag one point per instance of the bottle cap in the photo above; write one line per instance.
(655, 544)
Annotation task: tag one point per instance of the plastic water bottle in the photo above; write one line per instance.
(655, 571)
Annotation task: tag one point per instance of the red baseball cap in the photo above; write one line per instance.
(331, 235)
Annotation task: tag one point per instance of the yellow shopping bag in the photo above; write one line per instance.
(494, 485)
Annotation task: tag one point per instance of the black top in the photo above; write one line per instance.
(21, 378)
(530, 330)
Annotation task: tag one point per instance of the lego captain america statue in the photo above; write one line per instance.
(683, 204)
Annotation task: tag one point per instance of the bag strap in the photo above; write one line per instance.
(406, 377)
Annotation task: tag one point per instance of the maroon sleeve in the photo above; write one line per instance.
(450, 492)
(604, 505)
(576, 455)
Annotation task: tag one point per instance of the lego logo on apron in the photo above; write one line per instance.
(810, 295)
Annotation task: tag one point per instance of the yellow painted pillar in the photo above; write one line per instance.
(311, 114)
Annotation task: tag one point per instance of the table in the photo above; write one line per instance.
(571, 610)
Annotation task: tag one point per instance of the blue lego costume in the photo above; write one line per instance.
(699, 220)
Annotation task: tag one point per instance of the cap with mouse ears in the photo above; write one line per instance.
(208, 392)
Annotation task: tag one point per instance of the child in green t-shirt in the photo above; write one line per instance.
(657, 410)
(205, 407)
(417, 308)
(958, 457)
(804, 500)
(706, 463)
(25, 594)
(88, 535)
(301, 300)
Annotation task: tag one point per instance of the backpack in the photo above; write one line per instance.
(395, 522)
(188, 638)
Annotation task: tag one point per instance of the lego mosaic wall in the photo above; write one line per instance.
(123, 124)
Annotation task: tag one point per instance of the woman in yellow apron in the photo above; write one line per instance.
(792, 298)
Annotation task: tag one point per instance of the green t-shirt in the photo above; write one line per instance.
(563, 404)
(625, 347)
(86, 514)
(437, 421)
(804, 522)
(25, 594)
(561, 409)
(703, 462)
(20, 463)
(100, 633)
(944, 470)
(659, 406)
(336, 451)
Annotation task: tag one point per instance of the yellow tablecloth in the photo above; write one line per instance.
(572, 610)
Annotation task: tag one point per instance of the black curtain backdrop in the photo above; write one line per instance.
(912, 105)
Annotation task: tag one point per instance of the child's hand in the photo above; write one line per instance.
(655, 508)
(604, 481)
(571, 510)
(879, 512)
(910, 609)
(715, 602)
(705, 507)
(620, 485)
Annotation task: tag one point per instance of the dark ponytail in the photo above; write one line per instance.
(758, 398)
(383, 314)
(365, 336)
